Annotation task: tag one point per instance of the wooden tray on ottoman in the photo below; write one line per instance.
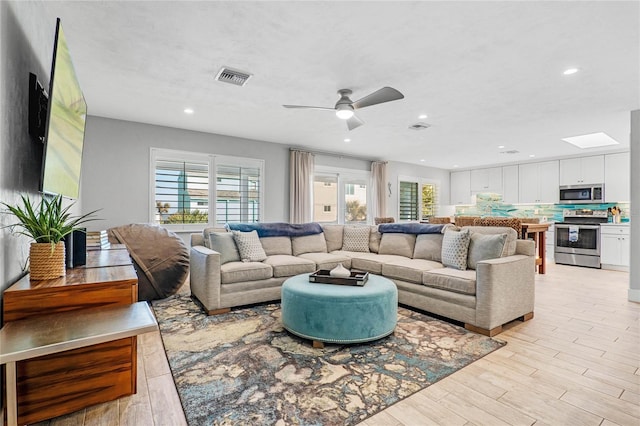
(357, 278)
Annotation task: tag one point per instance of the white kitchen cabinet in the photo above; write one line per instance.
(550, 244)
(617, 177)
(582, 170)
(614, 246)
(460, 192)
(510, 184)
(538, 182)
(486, 180)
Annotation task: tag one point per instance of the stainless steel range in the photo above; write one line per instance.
(578, 237)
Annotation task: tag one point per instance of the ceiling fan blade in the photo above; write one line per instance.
(386, 94)
(307, 107)
(354, 122)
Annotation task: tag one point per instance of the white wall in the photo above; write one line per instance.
(115, 169)
(634, 276)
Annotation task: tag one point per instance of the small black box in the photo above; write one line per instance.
(76, 248)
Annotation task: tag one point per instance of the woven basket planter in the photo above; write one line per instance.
(44, 264)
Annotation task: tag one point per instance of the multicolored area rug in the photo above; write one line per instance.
(244, 368)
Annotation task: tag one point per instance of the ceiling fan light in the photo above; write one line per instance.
(344, 114)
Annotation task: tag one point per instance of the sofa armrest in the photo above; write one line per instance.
(205, 276)
(505, 289)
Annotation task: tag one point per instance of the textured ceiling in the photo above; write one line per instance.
(486, 73)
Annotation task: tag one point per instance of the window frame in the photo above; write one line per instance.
(213, 160)
(420, 181)
(344, 177)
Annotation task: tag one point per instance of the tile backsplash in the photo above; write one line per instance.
(490, 204)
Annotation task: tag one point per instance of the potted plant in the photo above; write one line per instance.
(47, 223)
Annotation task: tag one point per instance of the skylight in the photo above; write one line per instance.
(592, 140)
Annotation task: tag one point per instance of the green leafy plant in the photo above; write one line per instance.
(46, 222)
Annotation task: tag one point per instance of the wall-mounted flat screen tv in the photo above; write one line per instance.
(65, 127)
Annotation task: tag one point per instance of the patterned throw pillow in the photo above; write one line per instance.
(356, 238)
(249, 246)
(455, 246)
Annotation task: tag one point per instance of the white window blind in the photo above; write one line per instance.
(190, 190)
(408, 202)
(418, 199)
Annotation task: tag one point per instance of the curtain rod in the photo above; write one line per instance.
(334, 154)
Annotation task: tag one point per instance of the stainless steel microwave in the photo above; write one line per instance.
(577, 194)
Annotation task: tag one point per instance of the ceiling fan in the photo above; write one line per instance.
(345, 106)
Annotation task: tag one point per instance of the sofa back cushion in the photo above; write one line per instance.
(455, 246)
(249, 246)
(276, 245)
(374, 239)
(315, 243)
(356, 238)
(484, 247)
(398, 244)
(428, 247)
(333, 235)
(510, 243)
(223, 243)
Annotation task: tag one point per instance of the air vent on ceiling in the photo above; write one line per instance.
(231, 76)
(420, 126)
(511, 151)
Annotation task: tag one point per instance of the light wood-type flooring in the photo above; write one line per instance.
(576, 363)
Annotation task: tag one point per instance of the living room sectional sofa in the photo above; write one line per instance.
(497, 291)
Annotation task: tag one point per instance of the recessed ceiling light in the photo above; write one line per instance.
(422, 160)
(422, 116)
(531, 155)
(455, 166)
(570, 71)
(347, 140)
(188, 111)
(592, 140)
(500, 146)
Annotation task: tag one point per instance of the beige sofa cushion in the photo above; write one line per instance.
(369, 262)
(327, 260)
(409, 270)
(428, 247)
(288, 266)
(235, 272)
(512, 236)
(308, 244)
(397, 244)
(333, 236)
(374, 239)
(276, 245)
(451, 279)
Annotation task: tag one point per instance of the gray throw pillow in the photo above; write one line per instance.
(356, 238)
(249, 246)
(484, 247)
(455, 246)
(224, 243)
(428, 247)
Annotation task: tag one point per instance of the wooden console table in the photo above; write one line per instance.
(57, 333)
(52, 385)
(537, 231)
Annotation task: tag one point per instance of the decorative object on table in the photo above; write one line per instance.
(340, 271)
(244, 365)
(47, 223)
(324, 276)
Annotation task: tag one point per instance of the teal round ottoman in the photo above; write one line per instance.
(339, 313)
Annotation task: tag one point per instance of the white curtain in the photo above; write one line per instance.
(379, 188)
(301, 185)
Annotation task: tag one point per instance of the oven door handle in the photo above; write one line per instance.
(580, 226)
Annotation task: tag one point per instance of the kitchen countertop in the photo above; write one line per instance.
(615, 224)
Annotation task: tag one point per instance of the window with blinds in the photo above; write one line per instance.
(408, 201)
(418, 200)
(181, 192)
(237, 194)
(190, 189)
